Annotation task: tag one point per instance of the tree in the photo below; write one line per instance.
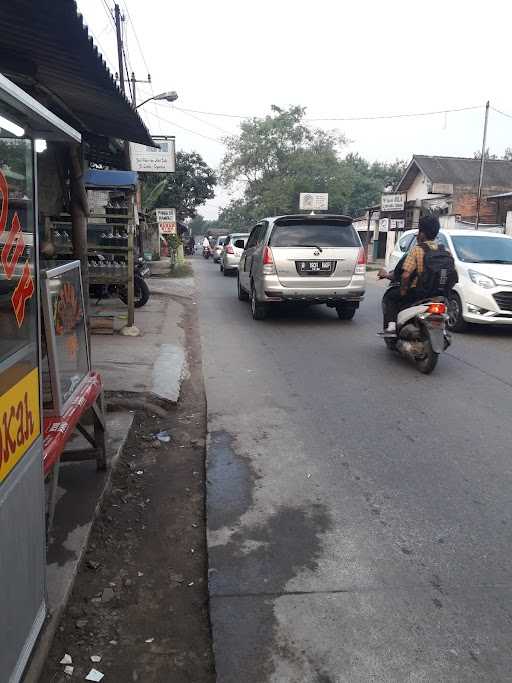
(279, 156)
(200, 225)
(186, 189)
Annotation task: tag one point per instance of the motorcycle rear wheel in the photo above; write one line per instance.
(427, 364)
(140, 292)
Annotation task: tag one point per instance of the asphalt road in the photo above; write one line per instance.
(359, 513)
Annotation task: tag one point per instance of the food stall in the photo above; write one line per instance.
(23, 121)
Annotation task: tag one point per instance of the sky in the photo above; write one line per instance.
(346, 59)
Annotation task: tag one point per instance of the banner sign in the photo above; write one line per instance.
(392, 202)
(19, 421)
(396, 224)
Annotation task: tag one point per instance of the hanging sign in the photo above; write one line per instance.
(161, 159)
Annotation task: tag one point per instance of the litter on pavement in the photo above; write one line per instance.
(163, 436)
(94, 675)
(68, 670)
(66, 659)
(95, 659)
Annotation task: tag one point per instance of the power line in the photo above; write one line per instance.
(136, 35)
(188, 130)
(374, 117)
(213, 125)
(108, 11)
(364, 117)
(503, 113)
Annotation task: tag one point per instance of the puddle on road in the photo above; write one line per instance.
(230, 482)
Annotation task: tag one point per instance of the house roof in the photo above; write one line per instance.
(46, 49)
(457, 171)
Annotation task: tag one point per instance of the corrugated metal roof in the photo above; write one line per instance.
(46, 49)
(458, 171)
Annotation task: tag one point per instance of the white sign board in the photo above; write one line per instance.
(314, 201)
(164, 215)
(383, 224)
(392, 202)
(160, 159)
(396, 224)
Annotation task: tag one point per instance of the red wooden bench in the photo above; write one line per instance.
(58, 429)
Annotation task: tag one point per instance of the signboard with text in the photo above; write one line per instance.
(166, 219)
(393, 202)
(314, 201)
(396, 224)
(161, 159)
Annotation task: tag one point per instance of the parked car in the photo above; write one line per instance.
(309, 259)
(233, 250)
(484, 264)
(218, 248)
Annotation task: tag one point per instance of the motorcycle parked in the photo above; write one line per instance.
(140, 287)
(421, 334)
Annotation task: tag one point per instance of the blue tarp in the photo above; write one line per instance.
(106, 180)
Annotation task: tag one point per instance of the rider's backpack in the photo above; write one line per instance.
(439, 273)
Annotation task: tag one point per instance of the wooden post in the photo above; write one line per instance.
(79, 210)
(131, 306)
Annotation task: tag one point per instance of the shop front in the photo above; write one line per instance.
(22, 505)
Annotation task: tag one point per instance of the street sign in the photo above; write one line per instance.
(392, 202)
(396, 224)
(314, 201)
(167, 228)
(161, 159)
(163, 215)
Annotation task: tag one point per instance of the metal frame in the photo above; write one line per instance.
(59, 405)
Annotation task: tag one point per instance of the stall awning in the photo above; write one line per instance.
(110, 180)
(46, 49)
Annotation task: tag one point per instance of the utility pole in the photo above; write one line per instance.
(134, 81)
(118, 18)
(482, 167)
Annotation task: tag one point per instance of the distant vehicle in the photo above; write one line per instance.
(308, 259)
(233, 250)
(219, 246)
(483, 260)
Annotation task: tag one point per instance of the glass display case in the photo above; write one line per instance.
(66, 359)
(19, 379)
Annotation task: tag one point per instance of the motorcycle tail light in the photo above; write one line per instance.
(437, 309)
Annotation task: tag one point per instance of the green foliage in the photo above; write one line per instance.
(279, 156)
(200, 225)
(186, 189)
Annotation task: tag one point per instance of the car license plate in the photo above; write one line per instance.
(314, 266)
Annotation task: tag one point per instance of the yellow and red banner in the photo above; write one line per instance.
(19, 421)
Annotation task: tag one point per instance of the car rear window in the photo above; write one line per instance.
(314, 234)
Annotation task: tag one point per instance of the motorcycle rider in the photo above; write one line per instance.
(206, 243)
(407, 273)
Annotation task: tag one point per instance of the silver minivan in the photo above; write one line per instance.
(305, 258)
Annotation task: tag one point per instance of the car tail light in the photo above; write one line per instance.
(229, 249)
(361, 262)
(268, 262)
(437, 309)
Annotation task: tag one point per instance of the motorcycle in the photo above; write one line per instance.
(207, 252)
(140, 287)
(421, 333)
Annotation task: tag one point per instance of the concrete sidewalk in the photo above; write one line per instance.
(153, 363)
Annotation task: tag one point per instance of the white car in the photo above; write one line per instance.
(484, 265)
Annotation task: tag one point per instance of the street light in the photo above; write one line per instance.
(171, 96)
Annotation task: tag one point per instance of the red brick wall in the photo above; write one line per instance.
(464, 203)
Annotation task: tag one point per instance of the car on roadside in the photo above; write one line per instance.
(303, 259)
(218, 248)
(232, 252)
(483, 294)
